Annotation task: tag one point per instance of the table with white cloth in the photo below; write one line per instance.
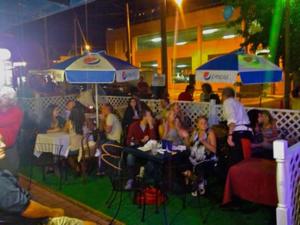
(57, 138)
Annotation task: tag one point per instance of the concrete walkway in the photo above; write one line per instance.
(72, 208)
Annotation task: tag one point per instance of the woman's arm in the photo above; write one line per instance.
(211, 142)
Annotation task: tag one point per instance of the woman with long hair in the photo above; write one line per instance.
(203, 147)
(132, 113)
(172, 130)
(269, 129)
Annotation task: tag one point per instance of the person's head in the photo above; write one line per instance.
(132, 103)
(107, 109)
(190, 89)
(206, 88)
(177, 122)
(52, 112)
(7, 98)
(175, 108)
(171, 116)
(70, 105)
(228, 92)
(164, 103)
(202, 123)
(141, 78)
(255, 117)
(267, 117)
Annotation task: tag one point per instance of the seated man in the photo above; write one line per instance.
(16, 204)
(138, 134)
(111, 128)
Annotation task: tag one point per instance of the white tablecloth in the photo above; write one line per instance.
(59, 138)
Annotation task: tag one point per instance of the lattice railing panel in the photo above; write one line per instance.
(288, 182)
(294, 173)
(193, 110)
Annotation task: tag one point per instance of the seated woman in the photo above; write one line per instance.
(139, 133)
(202, 156)
(76, 128)
(184, 119)
(172, 130)
(269, 132)
(51, 122)
(132, 113)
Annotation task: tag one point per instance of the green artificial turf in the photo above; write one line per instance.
(96, 190)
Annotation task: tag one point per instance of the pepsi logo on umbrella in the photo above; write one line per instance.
(206, 75)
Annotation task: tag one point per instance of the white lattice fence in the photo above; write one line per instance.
(288, 183)
(39, 104)
(117, 101)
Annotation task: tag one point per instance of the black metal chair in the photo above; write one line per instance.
(87, 155)
(48, 159)
(112, 159)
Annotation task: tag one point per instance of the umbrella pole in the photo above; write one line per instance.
(97, 106)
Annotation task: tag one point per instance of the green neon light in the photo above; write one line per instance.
(276, 27)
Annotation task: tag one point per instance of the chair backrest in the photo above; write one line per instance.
(246, 146)
(112, 157)
(88, 146)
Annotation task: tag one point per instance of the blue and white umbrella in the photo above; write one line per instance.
(98, 67)
(252, 69)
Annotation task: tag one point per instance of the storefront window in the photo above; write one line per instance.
(151, 41)
(149, 66)
(220, 31)
(182, 68)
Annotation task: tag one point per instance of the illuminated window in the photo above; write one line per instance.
(220, 31)
(182, 68)
(151, 41)
(149, 66)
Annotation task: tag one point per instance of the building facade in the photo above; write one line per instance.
(192, 38)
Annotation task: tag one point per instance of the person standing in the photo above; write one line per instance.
(238, 124)
(11, 117)
(187, 95)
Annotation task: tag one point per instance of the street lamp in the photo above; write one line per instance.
(179, 2)
(87, 47)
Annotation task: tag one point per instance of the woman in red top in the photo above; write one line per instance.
(10, 122)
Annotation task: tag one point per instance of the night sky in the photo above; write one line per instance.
(102, 14)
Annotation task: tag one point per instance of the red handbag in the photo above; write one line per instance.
(150, 196)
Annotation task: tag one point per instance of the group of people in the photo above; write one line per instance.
(206, 95)
(138, 125)
(135, 128)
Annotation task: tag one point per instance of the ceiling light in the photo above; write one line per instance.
(182, 66)
(181, 43)
(157, 39)
(229, 36)
(210, 31)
